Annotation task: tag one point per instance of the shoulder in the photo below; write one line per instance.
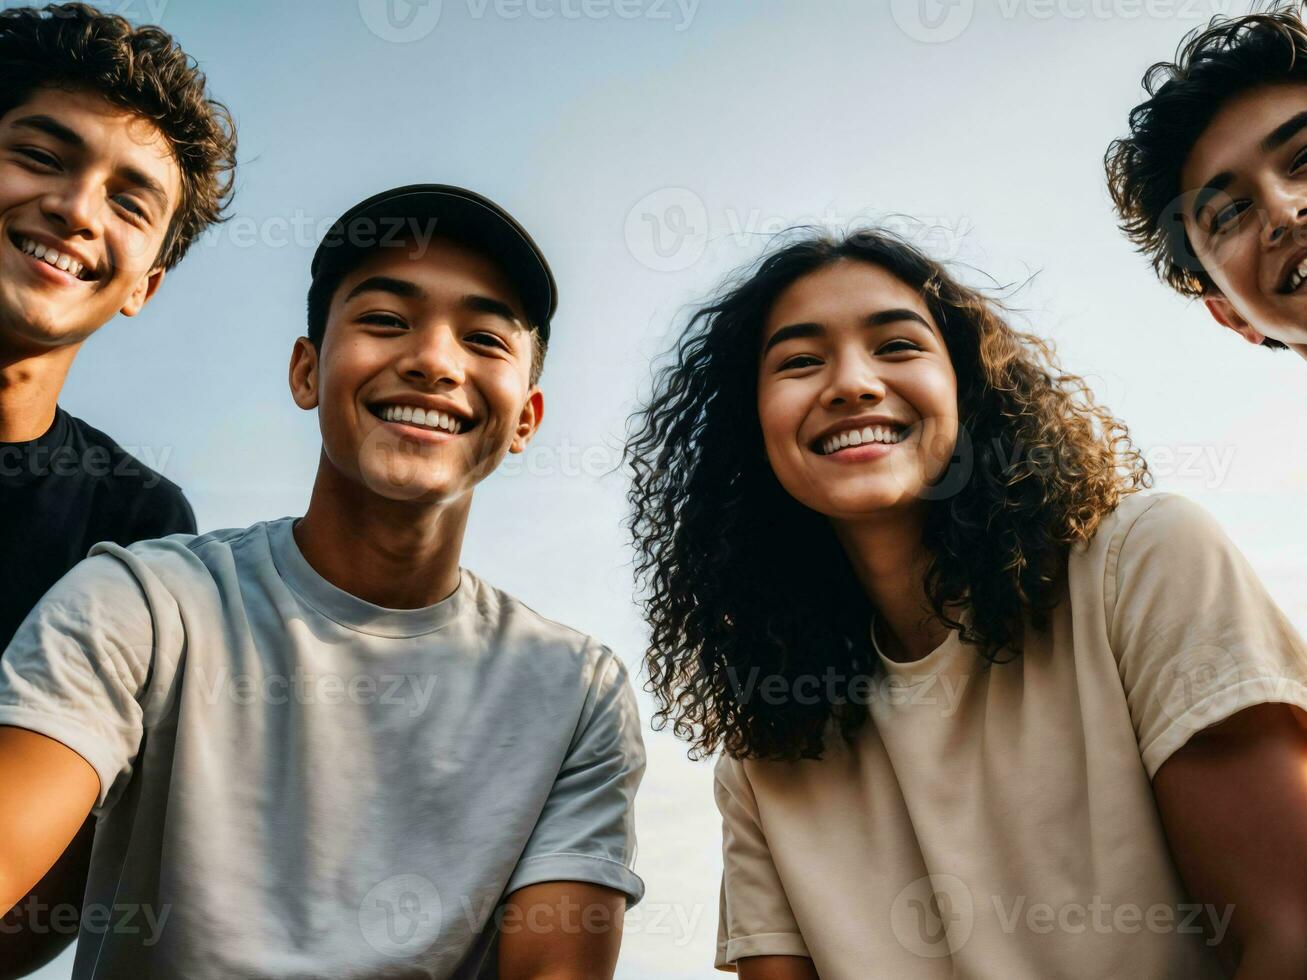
(181, 562)
(525, 625)
(1152, 525)
(151, 505)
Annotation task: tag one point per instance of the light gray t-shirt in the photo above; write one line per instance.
(297, 783)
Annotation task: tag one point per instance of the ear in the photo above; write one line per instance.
(146, 288)
(304, 374)
(1227, 316)
(533, 413)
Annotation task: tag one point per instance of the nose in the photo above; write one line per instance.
(854, 379)
(75, 208)
(1286, 215)
(433, 357)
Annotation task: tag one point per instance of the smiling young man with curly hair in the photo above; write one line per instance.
(1211, 181)
(113, 159)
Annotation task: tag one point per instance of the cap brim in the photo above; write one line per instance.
(410, 217)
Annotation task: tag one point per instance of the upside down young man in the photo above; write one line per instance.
(1211, 181)
(318, 747)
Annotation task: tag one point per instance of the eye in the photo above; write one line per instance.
(898, 347)
(1225, 218)
(386, 320)
(1298, 161)
(487, 340)
(38, 156)
(130, 205)
(797, 361)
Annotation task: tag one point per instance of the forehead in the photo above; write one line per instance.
(845, 290)
(1231, 143)
(443, 270)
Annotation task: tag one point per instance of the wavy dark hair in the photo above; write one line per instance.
(741, 583)
(140, 69)
(1229, 56)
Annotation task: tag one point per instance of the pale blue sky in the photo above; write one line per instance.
(604, 123)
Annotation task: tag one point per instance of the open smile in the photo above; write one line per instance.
(869, 441)
(51, 260)
(428, 421)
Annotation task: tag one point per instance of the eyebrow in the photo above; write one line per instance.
(51, 127)
(401, 288)
(1271, 142)
(1284, 132)
(57, 130)
(495, 307)
(796, 331)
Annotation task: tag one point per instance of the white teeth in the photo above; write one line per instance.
(857, 437)
(1298, 275)
(427, 418)
(65, 263)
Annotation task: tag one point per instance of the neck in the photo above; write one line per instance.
(395, 554)
(890, 561)
(29, 391)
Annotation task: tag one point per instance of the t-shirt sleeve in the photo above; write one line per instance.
(75, 669)
(586, 831)
(754, 917)
(1196, 636)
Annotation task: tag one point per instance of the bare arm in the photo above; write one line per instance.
(1234, 807)
(561, 930)
(34, 933)
(777, 968)
(46, 792)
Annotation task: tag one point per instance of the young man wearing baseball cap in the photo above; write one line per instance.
(318, 747)
(113, 160)
(1209, 182)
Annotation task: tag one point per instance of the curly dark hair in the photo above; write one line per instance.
(141, 69)
(1227, 57)
(741, 581)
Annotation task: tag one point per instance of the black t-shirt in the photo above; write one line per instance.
(62, 493)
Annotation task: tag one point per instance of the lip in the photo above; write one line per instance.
(1294, 260)
(418, 434)
(861, 454)
(88, 266)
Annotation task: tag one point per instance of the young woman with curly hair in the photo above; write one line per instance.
(983, 709)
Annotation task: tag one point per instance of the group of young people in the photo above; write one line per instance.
(980, 707)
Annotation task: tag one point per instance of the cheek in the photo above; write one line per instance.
(133, 251)
(781, 410)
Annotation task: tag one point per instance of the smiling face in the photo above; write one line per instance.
(423, 380)
(1245, 211)
(857, 397)
(87, 192)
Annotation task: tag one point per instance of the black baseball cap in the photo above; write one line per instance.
(398, 215)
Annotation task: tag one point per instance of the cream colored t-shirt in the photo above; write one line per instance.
(1002, 823)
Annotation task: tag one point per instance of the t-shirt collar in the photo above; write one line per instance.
(349, 610)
